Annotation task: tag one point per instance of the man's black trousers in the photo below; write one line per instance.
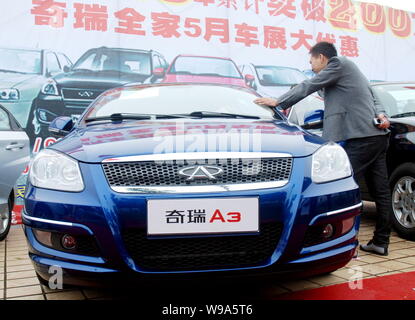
(368, 158)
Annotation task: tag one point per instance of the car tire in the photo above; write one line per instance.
(402, 183)
(7, 220)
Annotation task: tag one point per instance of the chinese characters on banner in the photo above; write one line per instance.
(339, 13)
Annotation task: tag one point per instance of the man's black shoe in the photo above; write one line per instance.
(372, 248)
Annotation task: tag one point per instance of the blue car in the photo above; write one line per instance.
(174, 180)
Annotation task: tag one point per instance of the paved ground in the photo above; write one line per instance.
(18, 280)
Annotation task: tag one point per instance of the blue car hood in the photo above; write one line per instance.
(102, 141)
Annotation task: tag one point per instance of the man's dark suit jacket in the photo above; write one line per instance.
(350, 105)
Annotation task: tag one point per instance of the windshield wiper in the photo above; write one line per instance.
(11, 71)
(118, 117)
(182, 72)
(210, 74)
(208, 114)
(405, 114)
(81, 69)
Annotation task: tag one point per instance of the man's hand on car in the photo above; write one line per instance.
(270, 102)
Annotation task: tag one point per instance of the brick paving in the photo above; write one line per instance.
(18, 280)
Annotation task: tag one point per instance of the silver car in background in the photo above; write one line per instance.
(14, 156)
(22, 74)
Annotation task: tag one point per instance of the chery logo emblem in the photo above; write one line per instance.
(200, 172)
(86, 94)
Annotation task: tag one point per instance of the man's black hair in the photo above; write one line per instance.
(327, 49)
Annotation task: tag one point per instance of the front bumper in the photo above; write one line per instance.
(81, 274)
(103, 214)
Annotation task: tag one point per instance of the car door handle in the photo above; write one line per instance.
(14, 146)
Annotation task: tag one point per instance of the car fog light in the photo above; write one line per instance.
(328, 231)
(68, 242)
(43, 237)
(42, 115)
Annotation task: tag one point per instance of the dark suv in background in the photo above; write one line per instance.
(95, 71)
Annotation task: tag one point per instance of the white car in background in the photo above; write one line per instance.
(272, 81)
(14, 157)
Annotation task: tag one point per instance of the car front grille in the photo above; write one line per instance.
(202, 253)
(166, 173)
(81, 94)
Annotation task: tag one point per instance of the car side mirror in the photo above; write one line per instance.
(159, 72)
(61, 126)
(66, 69)
(249, 80)
(313, 119)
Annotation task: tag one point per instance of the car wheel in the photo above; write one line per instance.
(403, 200)
(5, 221)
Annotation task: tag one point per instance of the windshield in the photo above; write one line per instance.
(205, 67)
(279, 76)
(20, 61)
(183, 99)
(396, 98)
(113, 60)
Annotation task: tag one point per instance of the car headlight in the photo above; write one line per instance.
(9, 94)
(54, 170)
(330, 163)
(50, 88)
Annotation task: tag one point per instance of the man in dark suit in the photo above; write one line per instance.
(350, 110)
